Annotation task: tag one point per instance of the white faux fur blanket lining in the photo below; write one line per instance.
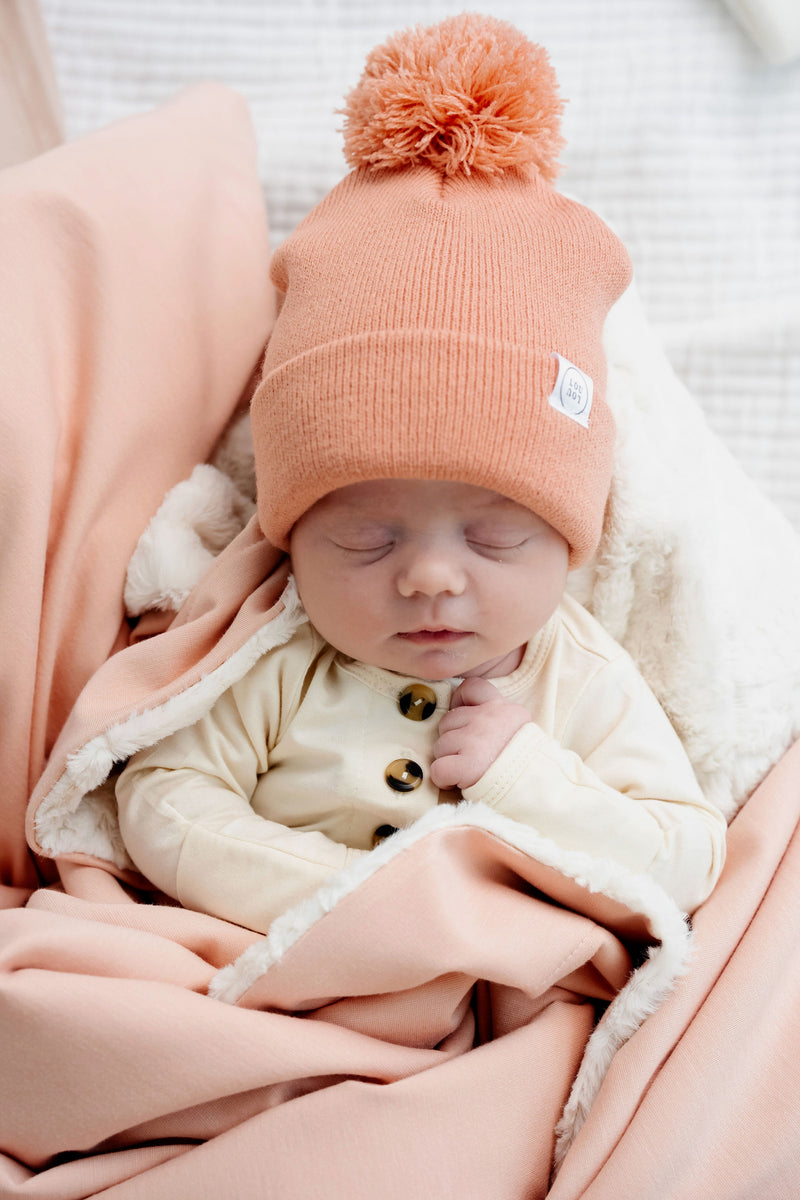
(696, 576)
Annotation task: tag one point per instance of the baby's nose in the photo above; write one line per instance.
(430, 573)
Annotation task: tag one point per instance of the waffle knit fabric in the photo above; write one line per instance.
(442, 313)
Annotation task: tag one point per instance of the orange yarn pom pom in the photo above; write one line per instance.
(469, 94)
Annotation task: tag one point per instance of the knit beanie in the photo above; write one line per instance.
(443, 306)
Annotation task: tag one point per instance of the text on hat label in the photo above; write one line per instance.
(572, 394)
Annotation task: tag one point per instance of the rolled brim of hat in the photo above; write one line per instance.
(423, 404)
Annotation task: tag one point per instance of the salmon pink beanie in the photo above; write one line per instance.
(443, 307)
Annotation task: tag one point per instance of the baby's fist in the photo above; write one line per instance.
(472, 734)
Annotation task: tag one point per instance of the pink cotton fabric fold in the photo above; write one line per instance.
(134, 305)
(433, 1061)
(367, 1025)
(705, 1100)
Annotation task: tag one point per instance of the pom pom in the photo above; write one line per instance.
(470, 94)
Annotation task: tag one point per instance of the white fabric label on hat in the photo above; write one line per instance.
(572, 394)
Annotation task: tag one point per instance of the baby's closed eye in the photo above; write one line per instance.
(363, 539)
(498, 537)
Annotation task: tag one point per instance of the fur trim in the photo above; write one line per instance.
(64, 818)
(644, 992)
(196, 520)
(234, 455)
(692, 549)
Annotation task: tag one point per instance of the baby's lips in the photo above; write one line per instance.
(433, 635)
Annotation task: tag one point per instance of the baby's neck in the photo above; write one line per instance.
(498, 667)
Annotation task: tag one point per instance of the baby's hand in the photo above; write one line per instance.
(472, 734)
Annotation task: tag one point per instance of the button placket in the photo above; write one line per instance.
(417, 702)
(403, 775)
(382, 833)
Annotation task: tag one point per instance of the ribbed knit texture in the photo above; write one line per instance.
(420, 318)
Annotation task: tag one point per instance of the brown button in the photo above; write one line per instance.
(382, 833)
(417, 702)
(403, 775)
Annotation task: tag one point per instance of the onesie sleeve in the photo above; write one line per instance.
(618, 784)
(187, 823)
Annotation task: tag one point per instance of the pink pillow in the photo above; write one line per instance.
(134, 306)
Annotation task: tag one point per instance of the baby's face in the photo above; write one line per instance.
(427, 578)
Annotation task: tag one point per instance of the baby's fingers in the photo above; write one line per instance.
(455, 718)
(446, 772)
(449, 742)
(475, 690)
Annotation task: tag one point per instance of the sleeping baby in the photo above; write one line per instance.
(434, 451)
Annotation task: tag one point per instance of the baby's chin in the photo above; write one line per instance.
(437, 663)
